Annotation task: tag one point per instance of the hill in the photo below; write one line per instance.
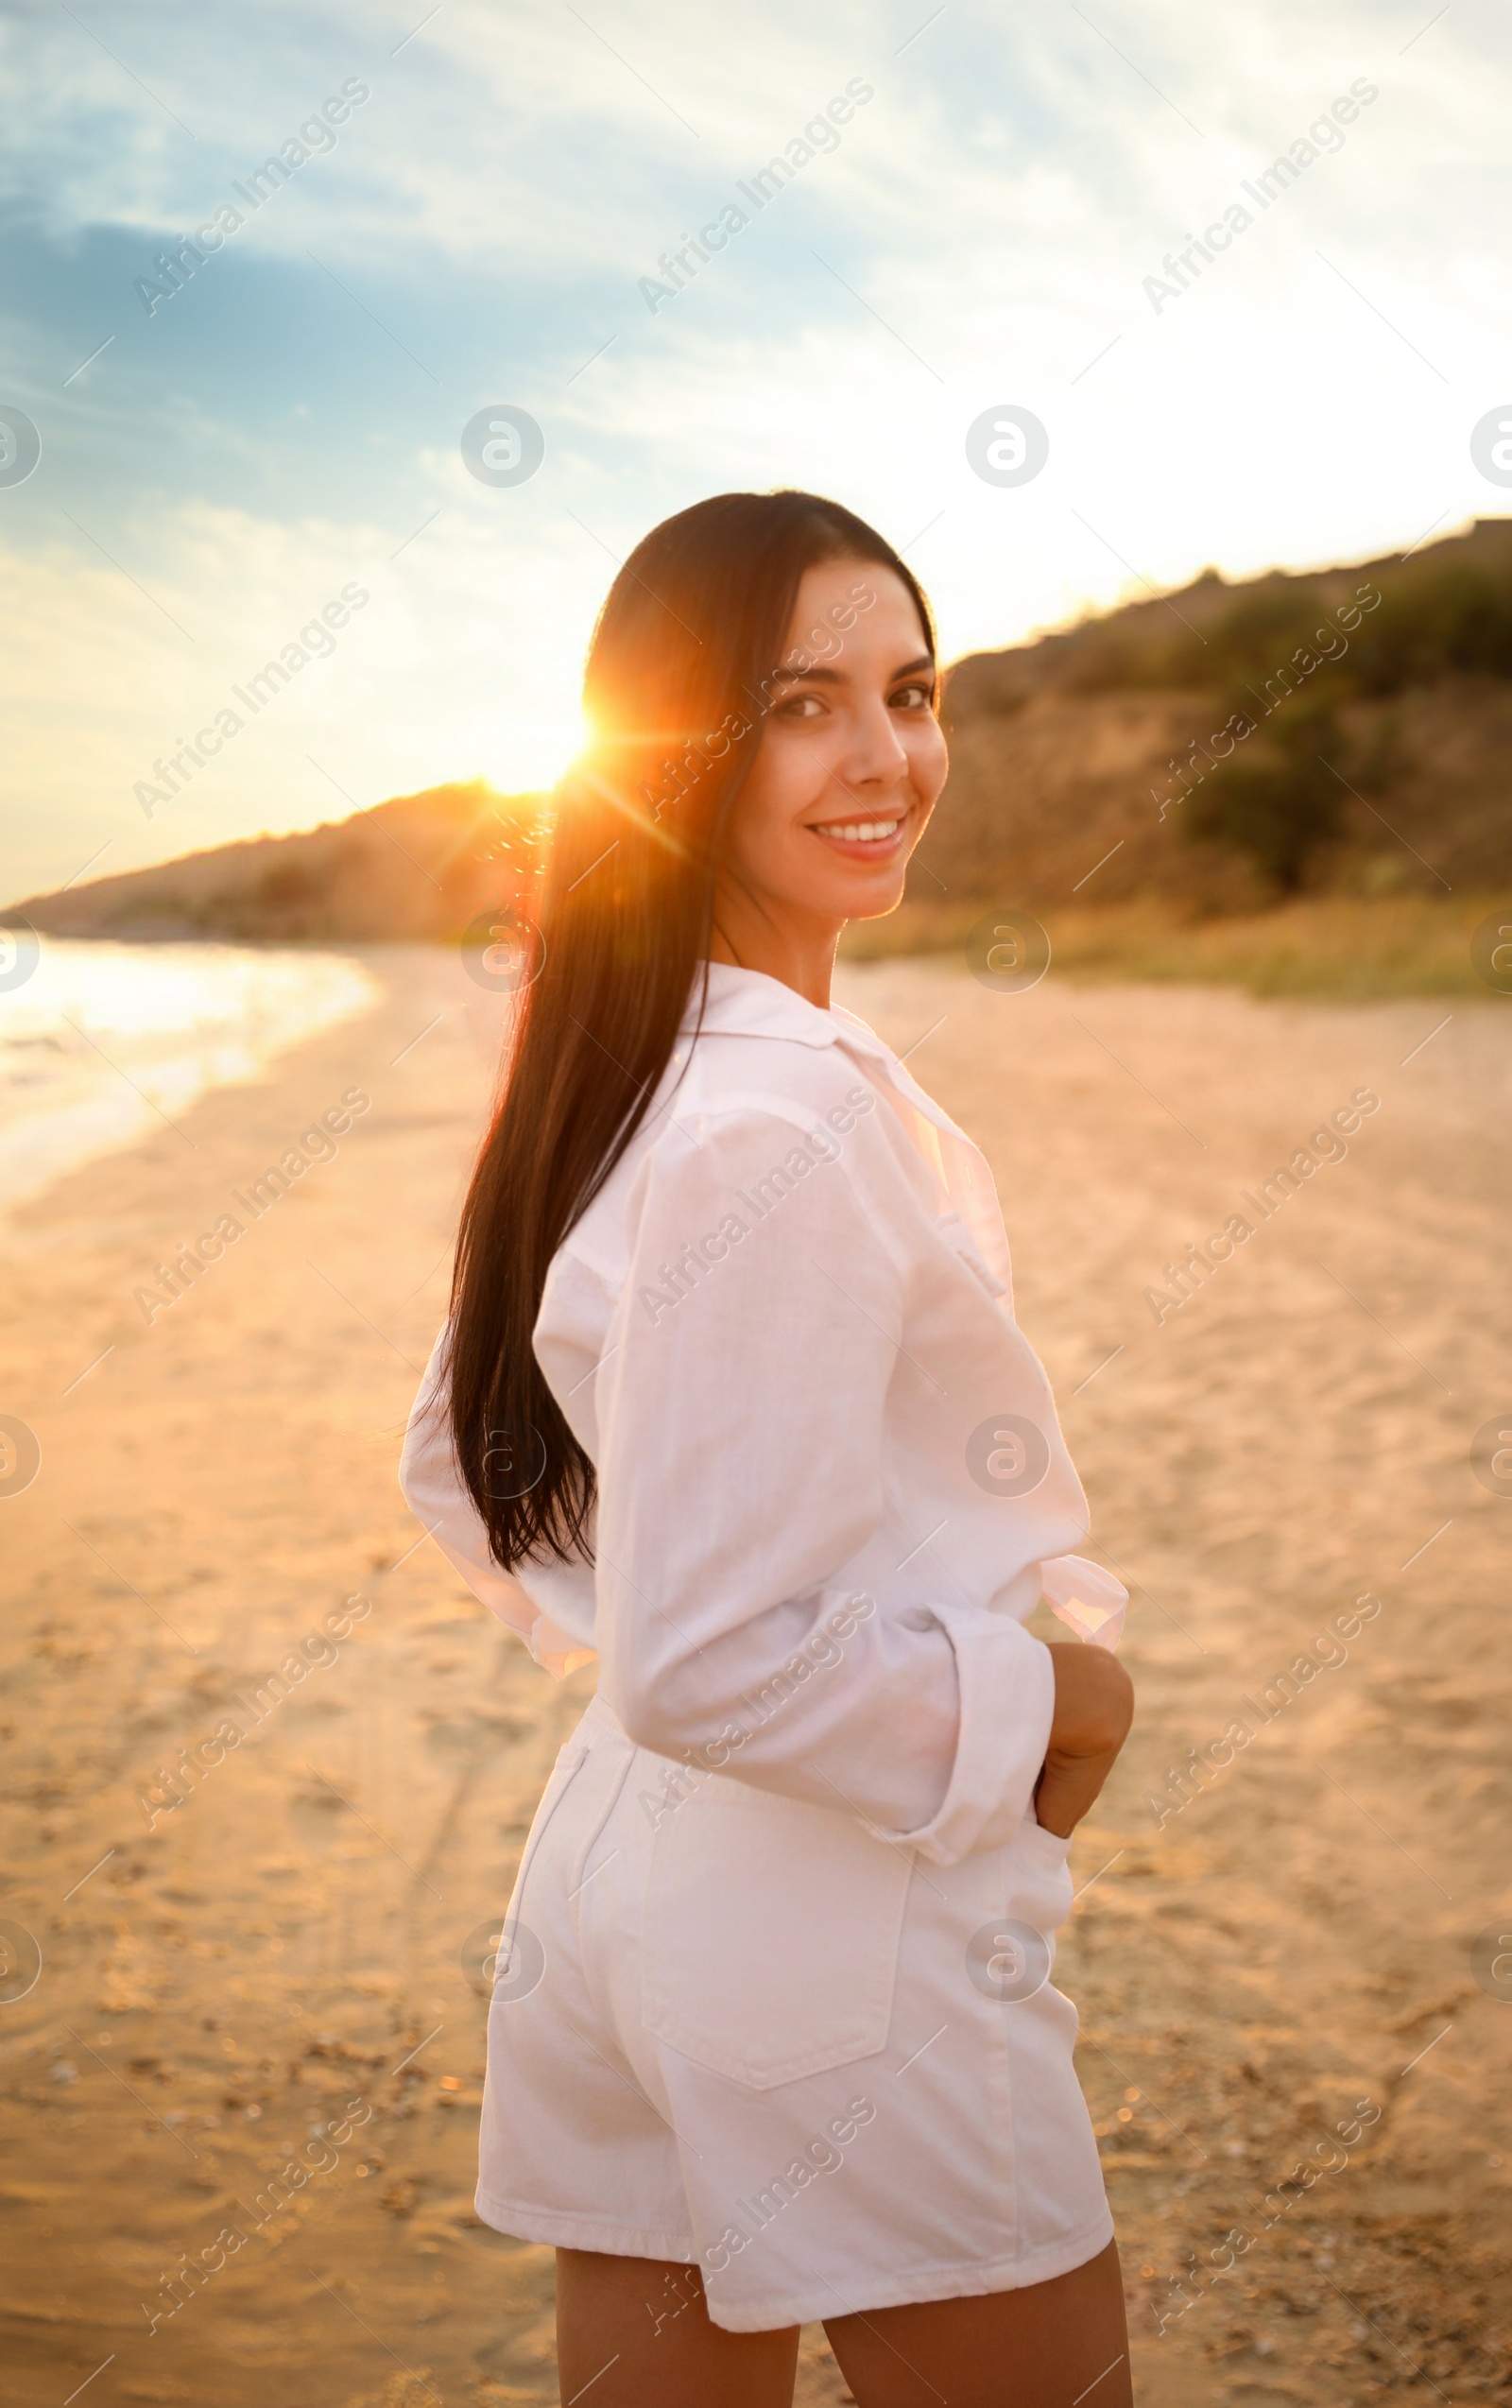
(1347, 732)
(420, 866)
(1215, 751)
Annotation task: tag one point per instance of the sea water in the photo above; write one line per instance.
(101, 1044)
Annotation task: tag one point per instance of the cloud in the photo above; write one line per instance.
(980, 235)
(440, 674)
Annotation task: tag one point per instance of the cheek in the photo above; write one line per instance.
(781, 786)
(792, 771)
(928, 758)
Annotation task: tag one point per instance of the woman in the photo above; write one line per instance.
(732, 1393)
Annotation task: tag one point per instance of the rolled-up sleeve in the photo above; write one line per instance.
(746, 1405)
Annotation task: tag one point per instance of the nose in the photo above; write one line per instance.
(874, 756)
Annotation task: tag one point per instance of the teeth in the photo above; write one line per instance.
(862, 831)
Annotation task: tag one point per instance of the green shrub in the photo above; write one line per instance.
(1278, 806)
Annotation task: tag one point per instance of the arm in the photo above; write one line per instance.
(745, 1412)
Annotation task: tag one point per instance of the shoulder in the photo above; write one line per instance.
(768, 1116)
(739, 1095)
(743, 1084)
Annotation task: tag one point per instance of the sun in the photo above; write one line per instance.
(529, 753)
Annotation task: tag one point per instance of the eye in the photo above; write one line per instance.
(800, 706)
(915, 696)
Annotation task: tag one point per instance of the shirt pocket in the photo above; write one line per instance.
(771, 1935)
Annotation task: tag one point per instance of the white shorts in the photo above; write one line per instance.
(737, 2031)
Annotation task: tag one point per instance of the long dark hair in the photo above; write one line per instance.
(678, 680)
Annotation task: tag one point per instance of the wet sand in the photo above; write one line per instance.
(273, 1970)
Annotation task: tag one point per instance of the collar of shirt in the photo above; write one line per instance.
(747, 1002)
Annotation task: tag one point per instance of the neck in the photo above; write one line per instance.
(798, 952)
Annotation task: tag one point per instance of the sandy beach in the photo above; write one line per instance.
(1296, 2043)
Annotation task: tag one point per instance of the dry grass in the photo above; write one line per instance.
(1349, 948)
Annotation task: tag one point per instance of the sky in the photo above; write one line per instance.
(473, 220)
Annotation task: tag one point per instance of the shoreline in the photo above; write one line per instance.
(98, 1048)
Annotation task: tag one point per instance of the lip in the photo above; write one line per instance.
(870, 849)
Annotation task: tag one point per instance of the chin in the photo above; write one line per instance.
(877, 902)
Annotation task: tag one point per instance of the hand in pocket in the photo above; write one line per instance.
(1094, 1708)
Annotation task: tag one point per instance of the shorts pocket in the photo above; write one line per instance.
(1040, 1887)
(771, 1935)
(570, 1758)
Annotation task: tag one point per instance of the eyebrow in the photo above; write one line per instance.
(820, 675)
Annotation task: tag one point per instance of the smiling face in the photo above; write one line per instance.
(851, 760)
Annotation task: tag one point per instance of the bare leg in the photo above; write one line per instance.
(634, 2333)
(1051, 2346)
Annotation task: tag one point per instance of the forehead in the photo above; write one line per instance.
(888, 622)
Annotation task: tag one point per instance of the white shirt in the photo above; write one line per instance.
(832, 1485)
